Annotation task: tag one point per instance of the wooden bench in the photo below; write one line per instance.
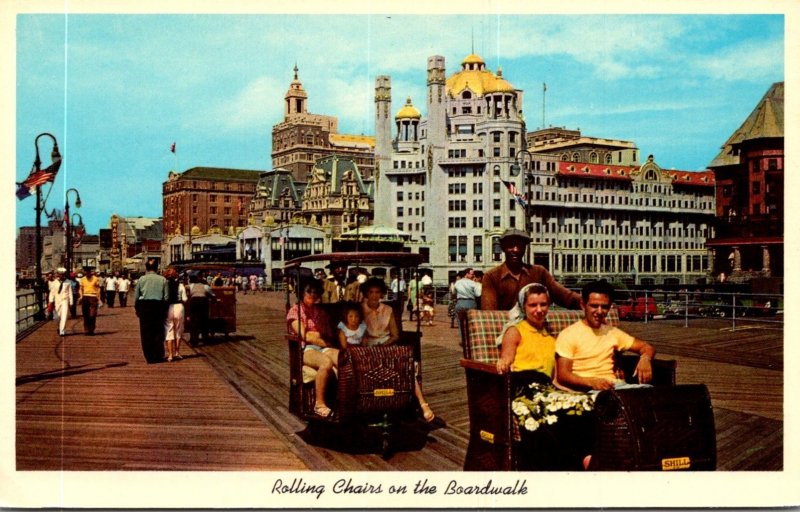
(493, 438)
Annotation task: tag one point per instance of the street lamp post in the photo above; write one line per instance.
(40, 206)
(80, 233)
(526, 169)
(68, 226)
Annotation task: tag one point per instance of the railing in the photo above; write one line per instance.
(28, 315)
(738, 308)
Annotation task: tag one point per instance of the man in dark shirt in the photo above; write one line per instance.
(502, 284)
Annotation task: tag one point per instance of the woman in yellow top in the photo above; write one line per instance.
(553, 423)
(528, 350)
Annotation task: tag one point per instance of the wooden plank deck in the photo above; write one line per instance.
(92, 403)
(226, 407)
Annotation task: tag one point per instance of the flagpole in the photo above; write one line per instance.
(544, 96)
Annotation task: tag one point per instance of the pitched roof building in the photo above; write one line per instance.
(750, 208)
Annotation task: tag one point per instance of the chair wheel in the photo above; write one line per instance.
(385, 446)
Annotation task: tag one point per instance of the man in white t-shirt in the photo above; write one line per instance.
(123, 285)
(110, 286)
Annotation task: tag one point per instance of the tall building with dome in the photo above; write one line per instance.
(302, 138)
(473, 130)
(444, 178)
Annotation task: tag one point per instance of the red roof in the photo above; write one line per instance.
(623, 172)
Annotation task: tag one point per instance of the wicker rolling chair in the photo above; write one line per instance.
(494, 439)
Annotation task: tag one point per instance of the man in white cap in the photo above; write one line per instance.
(62, 300)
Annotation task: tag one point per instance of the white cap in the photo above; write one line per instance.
(61, 270)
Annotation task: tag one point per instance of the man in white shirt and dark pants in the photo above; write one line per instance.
(467, 293)
(123, 285)
(111, 289)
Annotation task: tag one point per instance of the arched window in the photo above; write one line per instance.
(466, 95)
(575, 157)
(593, 157)
(608, 159)
(565, 157)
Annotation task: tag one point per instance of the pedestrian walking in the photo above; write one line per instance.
(199, 294)
(89, 299)
(150, 304)
(52, 286)
(467, 293)
(73, 284)
(62, 300)
(110, 287)
(123, 285)
(176, 313)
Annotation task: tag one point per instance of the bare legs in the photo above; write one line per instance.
(324, 363)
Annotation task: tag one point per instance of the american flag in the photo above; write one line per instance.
(39, 178)
(519, 196)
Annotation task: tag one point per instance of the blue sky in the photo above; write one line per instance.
(117, 90)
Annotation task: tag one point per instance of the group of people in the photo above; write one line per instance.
(67, 290)
(244, 283)
(161, 302)
(580, 359)
(365, 320)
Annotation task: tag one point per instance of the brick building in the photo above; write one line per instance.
(207, 199)
(750, 208)
(303, 138)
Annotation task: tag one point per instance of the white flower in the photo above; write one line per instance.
(551, 418)
(519, 408)
(531, 424)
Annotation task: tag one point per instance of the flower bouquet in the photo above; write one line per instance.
(542, 404)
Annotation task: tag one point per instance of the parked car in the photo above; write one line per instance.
(637, 308)
(766, 308)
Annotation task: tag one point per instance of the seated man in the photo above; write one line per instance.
(585, 350)
(585, 359)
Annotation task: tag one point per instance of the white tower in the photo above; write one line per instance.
(383, 151)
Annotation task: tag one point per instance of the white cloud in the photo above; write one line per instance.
(258, 104)
(750, 61)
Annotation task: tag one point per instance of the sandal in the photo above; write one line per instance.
(323, 411)
(427, 412)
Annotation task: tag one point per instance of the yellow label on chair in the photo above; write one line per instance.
(676, 463)
(487, 436)
(383, 392)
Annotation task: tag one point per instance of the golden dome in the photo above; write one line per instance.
(498, 84)
(408, 111)
(478, 80)
(472, 59)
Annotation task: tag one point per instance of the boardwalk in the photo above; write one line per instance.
(227, 405)
(92, 403)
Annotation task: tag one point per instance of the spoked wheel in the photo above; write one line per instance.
(385, 445)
